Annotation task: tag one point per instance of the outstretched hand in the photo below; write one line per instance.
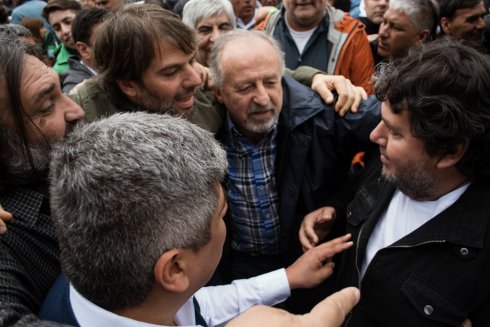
(315, 265)
(330, 312)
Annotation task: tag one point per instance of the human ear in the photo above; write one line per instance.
(129, 88)
(218, 93)
(445, 25)
(83, 49)
(451, 158)
(424, 36)
(171, 271)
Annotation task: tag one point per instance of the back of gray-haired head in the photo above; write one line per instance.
(195, 10)
(238, 35)
(14, 30)
(422, 13)
(126, 189)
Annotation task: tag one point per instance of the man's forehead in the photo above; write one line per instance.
(59, 15)
(219, 18)
(168, 52)
(38, 79)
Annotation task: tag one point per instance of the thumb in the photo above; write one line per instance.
(331, 312)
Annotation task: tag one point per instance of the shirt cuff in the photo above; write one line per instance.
(273, 287)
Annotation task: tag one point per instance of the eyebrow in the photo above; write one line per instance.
(43, 93)
(389, 125)
(178, 65)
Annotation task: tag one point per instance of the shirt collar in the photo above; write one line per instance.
(89, 314)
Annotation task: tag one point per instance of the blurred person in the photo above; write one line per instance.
(4, 14)
(375, 10)
(109, 4)
(84, 27)
(209, 19)
(316, 34)
(16, 31)
(87, 4)
(27, 9)
(37, 29)
(250, 14)
(463, 20)
(60, 15)
(406, 24)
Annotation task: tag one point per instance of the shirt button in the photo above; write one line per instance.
(464, 251)
(428, 310)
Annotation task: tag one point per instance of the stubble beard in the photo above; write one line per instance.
(414, 181)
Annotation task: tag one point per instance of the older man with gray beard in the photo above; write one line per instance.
(287, 151)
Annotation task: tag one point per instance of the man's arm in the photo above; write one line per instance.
(219, 304)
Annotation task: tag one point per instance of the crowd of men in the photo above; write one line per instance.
(186, 163)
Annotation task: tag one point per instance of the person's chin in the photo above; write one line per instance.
(185, 113)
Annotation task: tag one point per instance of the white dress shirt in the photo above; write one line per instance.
(218, 304)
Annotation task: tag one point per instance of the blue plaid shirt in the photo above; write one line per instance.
(252, 192)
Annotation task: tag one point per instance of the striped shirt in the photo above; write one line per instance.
(252, 192)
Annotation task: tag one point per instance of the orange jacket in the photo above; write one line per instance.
(351, 54)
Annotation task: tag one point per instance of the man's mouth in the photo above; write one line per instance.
(383, 46)
(186, 98)
(185, 101)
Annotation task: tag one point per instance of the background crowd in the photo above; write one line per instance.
(342, 143)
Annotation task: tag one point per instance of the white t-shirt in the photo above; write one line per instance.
(300, 38)
(403, 216)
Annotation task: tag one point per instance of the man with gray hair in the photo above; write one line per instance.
(406, 23)
(139, 249)
(208, 18)
(287, 151)
(17, 32)
(315, 34)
